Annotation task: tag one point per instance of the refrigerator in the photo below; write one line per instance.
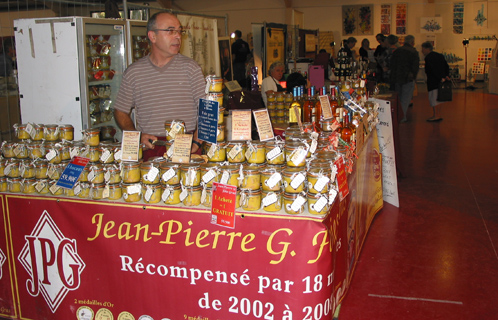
(70, 70)
(137, 43)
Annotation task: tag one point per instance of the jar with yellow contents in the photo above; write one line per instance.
(28, 186)
(53, 152)
(214, 83)
(26, 169)
(130, 172)
(271, 178)
(206, 197)
(150, 172)
(272, 201)
(51, 132)
(97, 191)
(12, 168)
(14, 185)
(318, 178)
(216, 152)
(3, 184)
(2, 167)
(279, 97)
(112, 174)
(215, 96)
(8, 149)
(115, 192)
(230, 175)
(288, 98)
(210, 172)
(132, 192)
(95, 173)
(190, 174)
(250, 200)
(21, 150)
(236, 151)
(152, 193)
(91, 137)
(251, 178)
(106, 150)
(174, 127)
(70, 192)
(54, 188)
(270, 98)
(21, 132)
(41, 186)
(37, 132)
(295, 154)
(65, 150)
(271, 105)
(83, 191)
(294, 179)
(220, 133)
(54, 171)
(280, 109)
(256, 152)
(221, 115)
(274, 152)
(294, 203)
(41, 169)
(171, 194)
(318, 203)
(66, 132)
(169, 173)
(192, 196)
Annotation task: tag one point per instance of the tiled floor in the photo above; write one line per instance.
(435, 257)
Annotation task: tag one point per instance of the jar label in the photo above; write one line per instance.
(118, 155)
(211, 151)
(148, 194)
(105, 156)
(270, 198)
(235, 151)
(183, 195)
(107, 176)
(176, 127)
(133, 189)
(105, 193)
(23, 169)
(39, 186)
(203, 195)
(7, 169)
(334, 173)
(273, 180)
(168, 175)
(77, 189)
(249, 151)
(275, 152)
(298, 156)
(54, 188)
(332, 195)
(314, 144)
(18, 150)
(73, 152)
(209, 176)
(166, 194)
(51, 172)
(31, 130)
(320, 183)
(297, 180)
(169, 153)
(152, 174)
(191, 175)
(297, 204)
(92, 175)
(224, 177)
(320, 204)
(51, 154)
(314, 135)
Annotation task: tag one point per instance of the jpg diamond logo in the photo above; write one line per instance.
(3, 258)
(52, 262)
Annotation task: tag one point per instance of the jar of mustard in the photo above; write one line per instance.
(97, 191)
(230, 175)
(294, 179)
(192, 196)
(152, 193)
(150, 172)
(236, 151)
(294, 202)
(295, 154)
(271, 178)
(130, 172)
(54, 188)
(318, 179)
(174, 127)
(54, 171)
(53, 152)
(210, 172)
(214, 83)
(36, 150)
(271, 105)
(14, 185)
(216, 152)
(190, 174)
(206, 197)
(91, 137)
(65, 150)
(12, 168)
(70, 192)
(115, 191)
(250, 178)
(95, 173)
(221, 115)
(8, 149)
(41, 169)
(21, 132)
(51, 132)
(66, 132)
(274, 152)
(26, 169)
(256, 152)
(250, 200)
(169, 173)
(21, 150)
(37, 132)
(220, 135)
(215, 96)
(279, 97)
(3, 184)
(132, 192)
(2, 167)
(106, 152)
(171, 194)
(83, 190)
(318, 203)
(272, 201)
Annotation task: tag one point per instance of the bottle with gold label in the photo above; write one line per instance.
(295, 105)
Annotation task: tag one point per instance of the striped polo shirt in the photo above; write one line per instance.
(171, 92)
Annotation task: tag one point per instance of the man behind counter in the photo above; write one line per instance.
(164, 85)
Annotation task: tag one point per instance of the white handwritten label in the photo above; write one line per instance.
(152, 174)
(224, 177)
(270, 198)
(297, 204)
(166, 194)
(105, 156)
(118, 155)
(321, 183)
(332, 195)
(148, 194)
(298, 156)
(211, 151)
(209, 176)
(51, 154)
(297, 180)
(235, 151)
(168, 175)
(273, 180)
(275, 152)
(133, 189)
(183, 194)
(320, 204)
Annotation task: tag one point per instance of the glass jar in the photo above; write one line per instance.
(230, 175)
(51, 132)
(28, 186)
(215, 96)
(14, 185)
(8, 149)
(193, 197)
(41, 169)
(107, 132)
(236, 151)
(54, 171)
(97, 191)
(270, 97)
(190, 174)
(288, 97)
(171, 194)
(274, 152)
(12, 168)
(65, 150)
(150, 172)
(295, 154)
(216, 152)
(21, 132)
(95, 173)
(38, 132)
(250, 200)
(21, 150)
(214, 83)
(41, 186)
(3, 184)
(256, 152)
(26, 169)
(294, 203)
(132, 192)
(206, 197)
(318, 179)
(170, 173)
(210, 172)
(106, 152)
(174, 127)
(53, 152)
(54, 188)
(220, 135)
(70, 192)
(130, 172)
(272, 201)
(2, 167)
(271, 178)
(115, 192)
(294, 179)
(318, 203)
(279, 97)
(91, 137)
(327, 125)
(66, 132)
(152, 193)
(83, 190)
(251, 179)
(221, 115)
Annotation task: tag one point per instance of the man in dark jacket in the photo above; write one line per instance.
(404, 69)
(240, 53)
(437, 71)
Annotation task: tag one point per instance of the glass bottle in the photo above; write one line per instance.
(346, 130)
(295, 103)
(308, 106)
(318, 106)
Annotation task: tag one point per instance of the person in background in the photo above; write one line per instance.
(380, 56)
(271, 84)
(323, 59)
(437, 71)
(6, 57)
(404, 69)
(365, 47)
(393, 43)
(240, 55)
(164, 85)
(295, 79)
(349, 45)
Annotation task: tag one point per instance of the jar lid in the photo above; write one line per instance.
(230, 167)
(130, 164)
(172, 186)
(251, 168)
(209, 165)
(165, 164)
(289, 171)
(251, 192)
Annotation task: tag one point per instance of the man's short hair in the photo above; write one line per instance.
(238, 33)
(151, 24)
(410, 39)
(351, 40)
(392, 39)
(428, 45)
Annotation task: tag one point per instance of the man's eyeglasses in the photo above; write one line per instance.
(172, 32)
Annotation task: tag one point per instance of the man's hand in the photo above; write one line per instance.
(147, 140)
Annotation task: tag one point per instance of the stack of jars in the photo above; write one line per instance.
(214, 88)
(278, 106)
